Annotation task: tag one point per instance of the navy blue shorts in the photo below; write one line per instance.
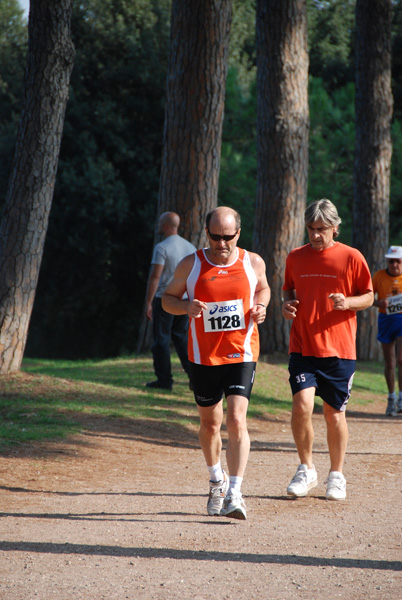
(332, 377)
(210, 383)
(389, 327)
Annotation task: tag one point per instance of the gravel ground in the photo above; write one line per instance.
(119, 512)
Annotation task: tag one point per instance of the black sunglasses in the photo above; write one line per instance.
(394, 260)
(218, 238)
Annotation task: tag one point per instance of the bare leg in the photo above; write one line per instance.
(211, 418)
(399, 361)
(337, 436)
(238, 446)
(302, 426)
(389, 365)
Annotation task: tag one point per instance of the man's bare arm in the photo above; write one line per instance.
(172, 299)
(290, 304)
(340, 302)
(262, 294)
(153, 282)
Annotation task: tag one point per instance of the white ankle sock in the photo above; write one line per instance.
(215, 472)
(235, 483)
(392, 396)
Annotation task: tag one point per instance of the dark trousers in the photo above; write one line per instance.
(168, 327)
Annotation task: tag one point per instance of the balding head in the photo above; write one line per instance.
(171, 219)
(169, 223)
(223, 215)
(223, 230)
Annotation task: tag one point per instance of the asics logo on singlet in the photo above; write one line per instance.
(223, 309)
(221, 272)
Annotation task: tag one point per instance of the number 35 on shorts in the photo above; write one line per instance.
(301, 378)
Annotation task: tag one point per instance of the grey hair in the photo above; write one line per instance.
(323, 210)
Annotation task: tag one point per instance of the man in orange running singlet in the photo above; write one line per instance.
(326, 282)
(387, 285)
(228, 294)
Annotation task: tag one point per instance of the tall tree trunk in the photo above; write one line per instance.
(25, 218)
(374, 105)
(282, 145)
(196, 87)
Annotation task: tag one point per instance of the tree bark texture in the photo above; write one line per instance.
(29, 197)
(196, 87)
(282, 148)
(374, 104)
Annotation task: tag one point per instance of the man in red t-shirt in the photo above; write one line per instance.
(326, 282)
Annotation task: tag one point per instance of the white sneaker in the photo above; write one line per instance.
(303, 481)
(217, 493)
(234, 506)
(391, 408)
(336, 486)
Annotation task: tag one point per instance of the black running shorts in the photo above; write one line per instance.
(210, 383)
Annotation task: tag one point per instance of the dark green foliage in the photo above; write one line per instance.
(242, 46)
(99, 243)
(13, 48)
(395, 221)
(331, 155)
(100, 235)
(331, 41)
(332, 135)
(397, 58)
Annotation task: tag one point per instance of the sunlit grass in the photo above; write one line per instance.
(48, 399)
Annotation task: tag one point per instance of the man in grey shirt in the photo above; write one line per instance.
(166, 255)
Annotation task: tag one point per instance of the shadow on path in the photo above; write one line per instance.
(118, 551)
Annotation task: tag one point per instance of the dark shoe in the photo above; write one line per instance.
(159, 384)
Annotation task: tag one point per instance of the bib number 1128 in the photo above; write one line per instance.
(224, 316)
(226, 322)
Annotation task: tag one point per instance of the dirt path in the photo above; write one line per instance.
(119, 512)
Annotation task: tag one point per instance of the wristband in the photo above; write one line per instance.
(260, 304)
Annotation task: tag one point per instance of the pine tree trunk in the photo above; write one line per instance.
(374, 104)
(282, 145)
(196, 85)
(25, 218)
(194, 112)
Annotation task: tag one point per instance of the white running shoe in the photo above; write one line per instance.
(336, 486)
(303, 481)
(217, 493)
(234, 506)
(391, 408)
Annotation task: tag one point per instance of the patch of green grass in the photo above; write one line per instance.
(369, 379)
(52, 399)
(20, 423)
